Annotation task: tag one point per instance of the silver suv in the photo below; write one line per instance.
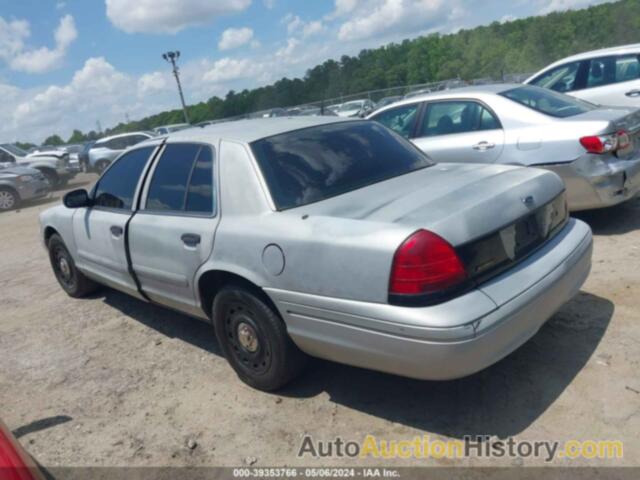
(105, 150)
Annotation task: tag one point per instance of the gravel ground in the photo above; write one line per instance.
(110, 380)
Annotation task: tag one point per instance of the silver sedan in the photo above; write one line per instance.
(329, 237)
(596, 150)
(20, 184)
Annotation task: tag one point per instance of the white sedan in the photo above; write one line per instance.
(610, 76)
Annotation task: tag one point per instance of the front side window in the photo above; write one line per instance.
(313, 164)
(117, 187)
(182, 180)
(400, 119)
(458, 116)
(560, 79)
(548, 102)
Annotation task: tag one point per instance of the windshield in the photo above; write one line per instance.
(548, 102)
(14, 150)
(351, 106)
(317, 163)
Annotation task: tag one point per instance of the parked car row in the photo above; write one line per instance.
(54, 167)
(596, 150)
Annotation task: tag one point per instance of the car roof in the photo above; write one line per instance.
(248, 130)
(111, 137)
(603, 52)
(471, 91)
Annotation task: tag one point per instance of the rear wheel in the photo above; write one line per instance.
(72, 280)
(254, 339)
(9, 199)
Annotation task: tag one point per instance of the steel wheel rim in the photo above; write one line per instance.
(62, 267)
(7, 200)
(248, 344)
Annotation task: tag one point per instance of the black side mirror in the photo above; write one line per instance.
(76, 199)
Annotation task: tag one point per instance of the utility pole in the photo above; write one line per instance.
(171, 57)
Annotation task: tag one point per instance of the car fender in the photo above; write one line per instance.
(60, 220)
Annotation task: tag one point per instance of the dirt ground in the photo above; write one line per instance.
(111, 380)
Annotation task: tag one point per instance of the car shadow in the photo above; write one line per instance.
(41, 424)
(165, 321)
(617, 220)
(502, 400)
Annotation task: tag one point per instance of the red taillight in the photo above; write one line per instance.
(606, 143)
(425, 263)
(13, 464)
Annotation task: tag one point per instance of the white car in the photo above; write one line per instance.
(610, 76)
(355, 108)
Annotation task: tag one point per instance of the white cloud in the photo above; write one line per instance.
(548, 6)
(235, 38)
(168, 16)
(228, 69)
(61, 5)
(295, 26)
(343, 7)
(373, 18)
(150, 83)
(18, 56)
(287, 51)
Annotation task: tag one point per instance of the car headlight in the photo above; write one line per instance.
(26, 178)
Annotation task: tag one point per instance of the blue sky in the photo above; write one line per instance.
(66, 64)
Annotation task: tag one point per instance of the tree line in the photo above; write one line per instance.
(517, 46)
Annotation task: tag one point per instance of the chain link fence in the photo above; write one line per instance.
(385, 95)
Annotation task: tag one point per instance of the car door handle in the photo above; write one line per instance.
(633, 93)
(482, 146)
(116, 231)
(190, 239)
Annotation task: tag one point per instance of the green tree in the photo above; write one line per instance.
(53, 140)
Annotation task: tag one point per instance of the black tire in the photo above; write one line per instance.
(9, 199)
(52, 177)
(101, 166)
(69, 277)
(276, 360)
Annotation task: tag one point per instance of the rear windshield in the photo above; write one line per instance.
(316, 163)
(548, 102)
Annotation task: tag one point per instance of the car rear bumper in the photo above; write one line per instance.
(450, 340)
(611, 181)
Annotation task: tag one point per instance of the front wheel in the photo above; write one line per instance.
(72, 280)
(8, 199)
(254, 339)
(101, 166)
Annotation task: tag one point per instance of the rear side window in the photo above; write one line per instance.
(548, 102)
(609, 70)
(117, 186)
(183, 180)
(560, 79)
(312, 164)
(400, 119)
(460, 116)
